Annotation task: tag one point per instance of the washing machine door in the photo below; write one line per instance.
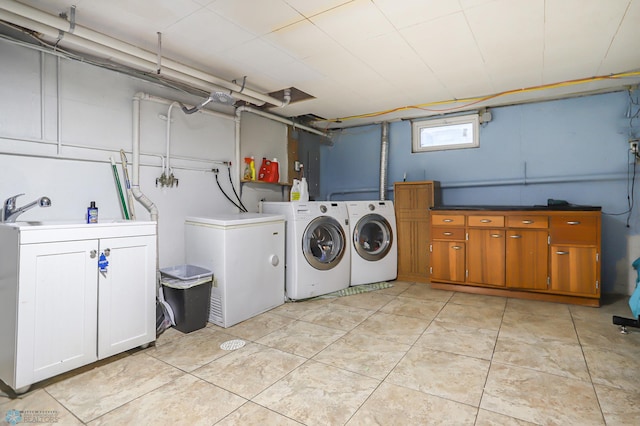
(323, 243)
(372, 237)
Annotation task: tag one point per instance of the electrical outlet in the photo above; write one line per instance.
(633, 146)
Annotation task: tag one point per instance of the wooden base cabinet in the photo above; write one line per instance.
(412, 201)
(537, 253)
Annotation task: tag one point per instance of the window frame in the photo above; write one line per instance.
(417, 126)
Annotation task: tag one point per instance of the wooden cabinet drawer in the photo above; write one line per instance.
(537, 222)
(447, 219)
(486, 220)
(574, 229)
(442, 233)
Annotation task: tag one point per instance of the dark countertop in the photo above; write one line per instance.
(569, 207)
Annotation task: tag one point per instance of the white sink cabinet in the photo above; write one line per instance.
(58, 311)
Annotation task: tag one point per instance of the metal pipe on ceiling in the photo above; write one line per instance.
(147, 57)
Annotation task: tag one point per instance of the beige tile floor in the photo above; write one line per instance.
(406, 355)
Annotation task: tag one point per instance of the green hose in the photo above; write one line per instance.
(122, 201)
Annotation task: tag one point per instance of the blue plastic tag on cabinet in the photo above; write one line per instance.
(103, 263)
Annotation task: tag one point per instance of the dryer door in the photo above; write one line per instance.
(372, 237)
(323, 243)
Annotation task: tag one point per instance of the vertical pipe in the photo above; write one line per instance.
(384, 160)
(42, 103)
(58, 112)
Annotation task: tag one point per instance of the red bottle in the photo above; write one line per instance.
(274, 171)
(264, 169)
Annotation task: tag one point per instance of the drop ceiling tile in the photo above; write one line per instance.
(312, 8)
(448, 48)
(579, 32)
(523, 21)
(619, 57)
(406, 13)
(302, 40)
(357, 20)
(204, 31)
(259, 17)
(516, 61)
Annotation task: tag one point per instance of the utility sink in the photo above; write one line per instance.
(35, 231)
(60, 223)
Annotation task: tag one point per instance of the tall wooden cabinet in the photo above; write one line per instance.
(535, 252)
(412, 201)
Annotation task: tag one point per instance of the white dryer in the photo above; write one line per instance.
(374, 252)
(317, 252)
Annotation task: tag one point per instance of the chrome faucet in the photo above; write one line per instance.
(10, 213)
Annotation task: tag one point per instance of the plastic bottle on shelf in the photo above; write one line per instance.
(247, 169)
(92, 213)
(252, 165)
(264, 169)
(294, 195)
(274, 171)
(304, 190)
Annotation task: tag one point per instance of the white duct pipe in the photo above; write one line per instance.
(384, 160)
(135, 166)
(280, 119)
(115, 55)
(149, 57)
(167, 164)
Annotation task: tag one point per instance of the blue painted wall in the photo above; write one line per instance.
(573, 149)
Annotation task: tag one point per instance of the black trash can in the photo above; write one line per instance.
(187, 289)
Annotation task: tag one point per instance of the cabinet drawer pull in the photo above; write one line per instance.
(447, 220)
(485, 221)
(448, 234)
(527, 222)
(515, 236)
(562, 252)
(496, 235)
(456, 247)
(573, 222)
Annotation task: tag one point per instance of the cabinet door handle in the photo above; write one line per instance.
(448, 234)
(496, 235)
(515, 236)
(485, 221)
(93, 254)
(456, 247)
(107, 252)
(562, 252)
(573, 222)
(527, 222)
(447, 220)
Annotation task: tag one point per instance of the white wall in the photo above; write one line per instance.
(96, 113)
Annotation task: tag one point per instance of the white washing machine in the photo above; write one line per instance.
(317, 252)
(374, 252)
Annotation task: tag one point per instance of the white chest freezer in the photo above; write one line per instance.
(245, 251)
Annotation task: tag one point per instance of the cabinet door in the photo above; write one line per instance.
(486, 257)
(412, 202)
(527, 259)
(413, 249)
(126, 294)
(57, 305)
(574, 270)
(447, 261)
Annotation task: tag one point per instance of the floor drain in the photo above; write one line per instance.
(232, 345)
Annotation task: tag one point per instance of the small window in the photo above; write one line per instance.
(445, 133)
